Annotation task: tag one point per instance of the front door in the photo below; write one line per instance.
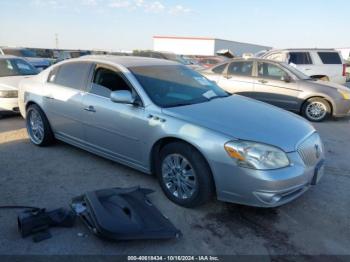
(271, 87)
(113, 129)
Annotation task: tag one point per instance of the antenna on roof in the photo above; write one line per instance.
(56, 40)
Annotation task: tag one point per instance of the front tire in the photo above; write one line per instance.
(184, 175)
(38, 126)
(316, 109)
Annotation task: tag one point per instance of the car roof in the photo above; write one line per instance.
(302, 49)
(127, 61)
(258, 59)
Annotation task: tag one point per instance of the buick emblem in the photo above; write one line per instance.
(317, 151)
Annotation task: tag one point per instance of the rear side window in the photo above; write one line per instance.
(219, 69)
(73, 75)
(330, 58)
(300, 58)
(240, 68)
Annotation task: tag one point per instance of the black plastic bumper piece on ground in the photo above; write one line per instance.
(123, 214)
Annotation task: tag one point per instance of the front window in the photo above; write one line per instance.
(16, 67)
(106, 81)
(267, 70)
(300, 75)
(175, 85)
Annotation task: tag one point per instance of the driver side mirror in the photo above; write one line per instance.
(286, 78)
(122, 97)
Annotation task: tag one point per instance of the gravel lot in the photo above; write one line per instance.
(316, 223)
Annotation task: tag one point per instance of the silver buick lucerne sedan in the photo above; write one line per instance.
(161, 117)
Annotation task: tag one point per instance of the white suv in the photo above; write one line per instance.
(325, 64)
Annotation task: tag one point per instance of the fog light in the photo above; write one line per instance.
(269, 198)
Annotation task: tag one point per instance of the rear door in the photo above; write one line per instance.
(238, 78)
(64, 102)
(270, 87)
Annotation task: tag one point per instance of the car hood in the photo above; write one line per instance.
(247, 119)
(10, 82)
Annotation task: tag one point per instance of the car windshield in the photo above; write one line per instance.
(16, 67)
(176, 85)
(300, 75)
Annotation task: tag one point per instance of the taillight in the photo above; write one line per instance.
(344, 69)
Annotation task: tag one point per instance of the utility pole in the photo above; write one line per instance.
(56, 40)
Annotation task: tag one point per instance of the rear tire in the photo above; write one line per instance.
(38, 126)
(316, 109)
(184, 175)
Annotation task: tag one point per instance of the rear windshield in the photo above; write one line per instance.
(330, 58)
(16, 67)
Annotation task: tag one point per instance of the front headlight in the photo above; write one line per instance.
(256, 156)
(8, 93)
(344, 94)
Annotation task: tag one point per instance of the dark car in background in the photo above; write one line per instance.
(187, 61)
(30, 55)
(61, 55)
(210, 61)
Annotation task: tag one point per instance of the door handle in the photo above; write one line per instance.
(263, 81)
(90, 109)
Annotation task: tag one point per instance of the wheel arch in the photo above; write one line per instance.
(327, 99)
(31, 102)
(159, 144)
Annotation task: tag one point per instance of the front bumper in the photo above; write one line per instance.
(262, 188)
(9, 105)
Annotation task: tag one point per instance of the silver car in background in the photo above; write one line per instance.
(161, 117)
(12, 70)
(282, 85)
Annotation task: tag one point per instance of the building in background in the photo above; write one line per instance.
(202, 46)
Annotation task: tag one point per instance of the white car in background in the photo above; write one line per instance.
(324, 64)
(12, 71)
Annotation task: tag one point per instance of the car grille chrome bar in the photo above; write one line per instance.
(311, 150)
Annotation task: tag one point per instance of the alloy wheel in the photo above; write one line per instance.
(179, 176)
(35, 126)
(316, 110)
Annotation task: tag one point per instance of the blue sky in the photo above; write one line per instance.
(130, 24)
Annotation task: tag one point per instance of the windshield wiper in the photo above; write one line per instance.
(214, 97)
(180, 104)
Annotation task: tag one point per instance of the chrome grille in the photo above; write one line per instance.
(311, 150)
